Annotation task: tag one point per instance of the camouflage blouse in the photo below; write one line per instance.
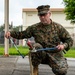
(47, 35)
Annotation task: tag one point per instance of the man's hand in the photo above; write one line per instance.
(7, 35)
(60, 47)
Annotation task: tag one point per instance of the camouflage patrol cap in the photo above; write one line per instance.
(43, 9)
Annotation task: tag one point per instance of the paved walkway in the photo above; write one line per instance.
(15, 65)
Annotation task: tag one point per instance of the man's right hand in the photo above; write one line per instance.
(7, 35)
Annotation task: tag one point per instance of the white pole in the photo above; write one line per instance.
(6, 22)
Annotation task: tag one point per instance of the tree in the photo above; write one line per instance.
(70, 10)
(17, 28)
(1, 28)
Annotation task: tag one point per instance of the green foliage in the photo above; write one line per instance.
(1, 28)
(14, 28)
(70, 10)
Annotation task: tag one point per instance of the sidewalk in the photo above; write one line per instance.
(16, 65)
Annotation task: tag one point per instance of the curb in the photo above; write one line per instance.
(73, 59)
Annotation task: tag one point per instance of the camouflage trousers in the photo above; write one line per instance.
(55, 60)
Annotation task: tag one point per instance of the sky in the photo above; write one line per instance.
(16, 6)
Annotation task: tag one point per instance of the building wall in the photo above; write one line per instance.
(30, 18)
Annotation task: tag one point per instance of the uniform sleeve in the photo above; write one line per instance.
(65, 38)
(23, 34)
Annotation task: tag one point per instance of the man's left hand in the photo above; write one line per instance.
(60, 47)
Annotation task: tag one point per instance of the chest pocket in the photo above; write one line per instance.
(55, 34)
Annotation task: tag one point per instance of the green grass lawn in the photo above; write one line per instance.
(70, 53)
(13, 51)
(25, 51)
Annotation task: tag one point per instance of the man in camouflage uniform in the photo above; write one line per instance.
(47, 33)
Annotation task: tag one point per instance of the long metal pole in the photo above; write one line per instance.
(6, 21)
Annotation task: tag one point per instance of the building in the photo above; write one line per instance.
(30, 17)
